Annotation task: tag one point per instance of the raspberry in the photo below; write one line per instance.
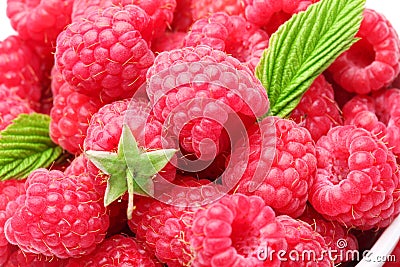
(356, 179)
(270, 14)
(20, 69)
(106, 55)
(70, 116)
(57, 80)
(39, 20)
(165, 227)
(374, 61)
(236, 231)
(378, 114)
(160, 11)
(11, 106)
(83, 8)
(232, 34)
(9, 191)
(202, 9)
(300, 237)
(117, 210)
(291, 170)
(318, 110)
(339, 241)
(182, 19)
(198, 92)
(77, 166)
(118, 250)
(61, 216)
(168, 41)
(20, 258)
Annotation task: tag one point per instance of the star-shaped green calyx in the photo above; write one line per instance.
(130, 169)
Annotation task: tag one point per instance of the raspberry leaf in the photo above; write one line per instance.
(303, 47)
(131, 169)
(25, 145)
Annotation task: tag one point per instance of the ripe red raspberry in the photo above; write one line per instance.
(142, 207)
(232, 34)
(168, 41)
(9, 191)
(117, 250)
(309, 245)
(318, 110)
(270, 14)
(163, 229)
(21, 258)
(379, 114)
(291, 170)
(374, 61)
(57, 80)
(198, 92)
(61, 216)
(77, 166)
(356, 179)
(203, 8)
(160, 11)
(237, 230)
(338, 239)
(83, 8)
(106, 55)
(20, 68)
(165, 225)
(39, 20)
(117, 210)
(182, 16)
(70, 116)
(11, 106)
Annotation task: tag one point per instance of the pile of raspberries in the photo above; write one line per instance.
(180, 73)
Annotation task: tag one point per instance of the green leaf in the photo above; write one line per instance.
(303, 47)
(25, 145)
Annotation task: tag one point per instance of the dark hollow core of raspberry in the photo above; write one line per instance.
(362, 53)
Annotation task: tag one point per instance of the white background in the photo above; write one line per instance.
(390, 8)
